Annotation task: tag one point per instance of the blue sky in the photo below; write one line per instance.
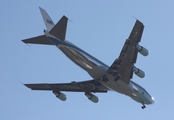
(98, 27)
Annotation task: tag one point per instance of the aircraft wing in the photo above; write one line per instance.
(84, 86)
(128, 56)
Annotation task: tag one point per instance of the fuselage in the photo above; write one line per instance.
(96, 69)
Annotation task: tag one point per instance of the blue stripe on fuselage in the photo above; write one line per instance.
(68, 44)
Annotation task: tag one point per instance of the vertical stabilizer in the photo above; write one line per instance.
(47, 20)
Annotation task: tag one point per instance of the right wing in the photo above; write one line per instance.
(84, 86)
(128, 56)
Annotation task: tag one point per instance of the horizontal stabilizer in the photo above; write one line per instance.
(59, 30)
(38, 40)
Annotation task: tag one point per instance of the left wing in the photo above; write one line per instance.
(84, 86)
(122, 66)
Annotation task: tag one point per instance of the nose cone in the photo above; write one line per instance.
(152, 100)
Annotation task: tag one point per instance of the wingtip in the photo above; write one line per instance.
(26, 85)
(25, 43)
(23, 83)
(137, 19)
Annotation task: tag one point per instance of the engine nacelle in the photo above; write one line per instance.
(138, 72)
(142, 50)
(92, 97)
(60, 95)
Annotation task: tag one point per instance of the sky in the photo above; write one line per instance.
(100, 28)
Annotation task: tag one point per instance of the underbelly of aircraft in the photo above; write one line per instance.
(96, 70)
(119, 86)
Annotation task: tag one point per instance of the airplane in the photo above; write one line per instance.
(117, 77)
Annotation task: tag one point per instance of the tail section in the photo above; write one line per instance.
(58, 30)
(47, 20)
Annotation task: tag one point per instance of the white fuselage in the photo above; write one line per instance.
(96, 69)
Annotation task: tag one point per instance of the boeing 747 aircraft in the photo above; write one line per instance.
(117, 77)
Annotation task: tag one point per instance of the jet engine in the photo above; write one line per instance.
(60, 95)
(92, 97)
(142, 50)
(138, 72)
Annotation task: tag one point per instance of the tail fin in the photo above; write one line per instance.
(58, 30)
(47, 20)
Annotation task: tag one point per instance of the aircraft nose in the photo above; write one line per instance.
(152, 100)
